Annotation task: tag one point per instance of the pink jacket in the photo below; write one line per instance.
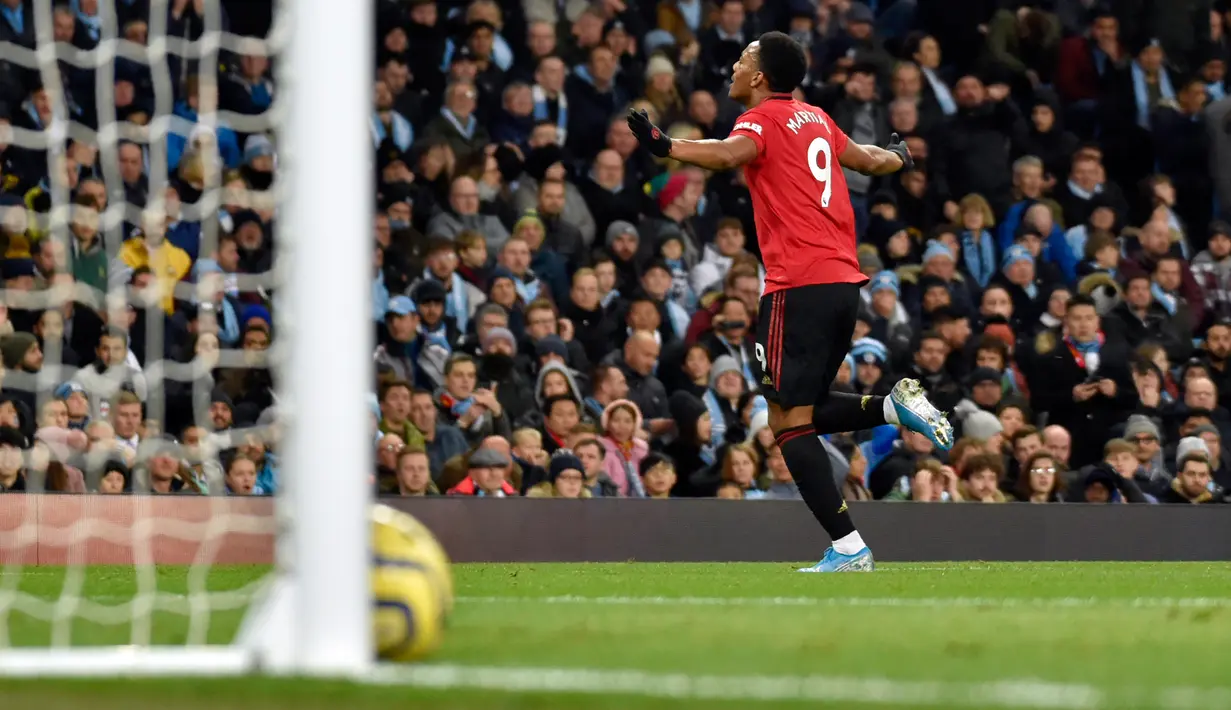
(614, 463)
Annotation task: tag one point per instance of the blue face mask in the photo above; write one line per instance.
(399, 224)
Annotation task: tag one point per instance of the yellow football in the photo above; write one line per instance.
(412, 586)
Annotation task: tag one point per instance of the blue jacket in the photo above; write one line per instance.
(228, 142)
(267, 477)
(186, 236)
(1055, 248)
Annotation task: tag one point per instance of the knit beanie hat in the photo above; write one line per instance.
(724, 363)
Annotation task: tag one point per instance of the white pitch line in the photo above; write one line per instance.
(906, 602)
(1007, 693)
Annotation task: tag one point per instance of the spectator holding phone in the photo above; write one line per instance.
(1083, 381)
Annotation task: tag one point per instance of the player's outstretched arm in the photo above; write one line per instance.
(727, 154)
(871, 160)
(709, 154)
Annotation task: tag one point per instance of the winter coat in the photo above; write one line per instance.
(167, 262)
(590, 107)
(593, 329)
(1175, 494)
(688, 452)
(89, 266)
(469, 488)
(1056, 373)
(481, 428)
(181, 130)
(576, 211)
(449, 224)
(620, 468)
(513, 390)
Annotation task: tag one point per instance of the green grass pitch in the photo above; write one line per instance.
(1071, 635)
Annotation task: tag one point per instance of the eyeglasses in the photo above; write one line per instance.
(1042, 471)
(1144, 439)
(393, 447)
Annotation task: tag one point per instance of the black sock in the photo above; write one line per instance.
(841, 411)
(813, 473)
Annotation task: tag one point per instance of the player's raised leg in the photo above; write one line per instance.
(907, 404)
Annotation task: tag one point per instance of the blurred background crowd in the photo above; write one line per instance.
(559, 314)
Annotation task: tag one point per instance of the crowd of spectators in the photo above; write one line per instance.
(559, 314)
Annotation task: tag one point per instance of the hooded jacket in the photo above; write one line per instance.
(696, 462)
(621, 468)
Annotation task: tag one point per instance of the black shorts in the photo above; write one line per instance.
(803, 334)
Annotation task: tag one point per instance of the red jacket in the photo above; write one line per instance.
(468, 488)
(1077, 76)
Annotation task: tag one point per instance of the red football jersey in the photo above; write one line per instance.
(805, 223)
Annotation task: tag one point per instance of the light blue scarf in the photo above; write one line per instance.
(1216, 91)
(502, 54)
(1079, 192)
(1142, 95)
(979, 256)
(718, 423)
(457, 304)
(947, 105)
(15, 17)
(542, 112)
(528, 291)
(403, 132)
(229, 332)
(1164, 299)
(467, 131)
(691, 11)
(93, 23)
(380, 297)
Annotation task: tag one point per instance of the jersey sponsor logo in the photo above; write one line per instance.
(748, 126)
(805, 117)
(766, 381)
(843, 508)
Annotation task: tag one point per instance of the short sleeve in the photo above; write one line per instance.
(838, 139)
(750, 124)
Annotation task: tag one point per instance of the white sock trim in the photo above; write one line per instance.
(891, 413)
(849, 544)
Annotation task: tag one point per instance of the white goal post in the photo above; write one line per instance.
(313, 618)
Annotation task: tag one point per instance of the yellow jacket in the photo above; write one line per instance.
(169, 264)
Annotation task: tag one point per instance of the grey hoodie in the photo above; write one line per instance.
(449, 225)
(568, 375)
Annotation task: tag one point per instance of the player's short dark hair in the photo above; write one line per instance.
(782, 61)
(1080, 300)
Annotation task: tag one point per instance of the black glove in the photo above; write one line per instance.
(898, 147)
(648, 134)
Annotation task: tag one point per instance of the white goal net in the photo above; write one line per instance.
(185, 352)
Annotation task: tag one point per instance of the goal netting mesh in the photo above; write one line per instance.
(135, 188)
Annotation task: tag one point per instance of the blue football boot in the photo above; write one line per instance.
(916, 413)
(834, 561)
